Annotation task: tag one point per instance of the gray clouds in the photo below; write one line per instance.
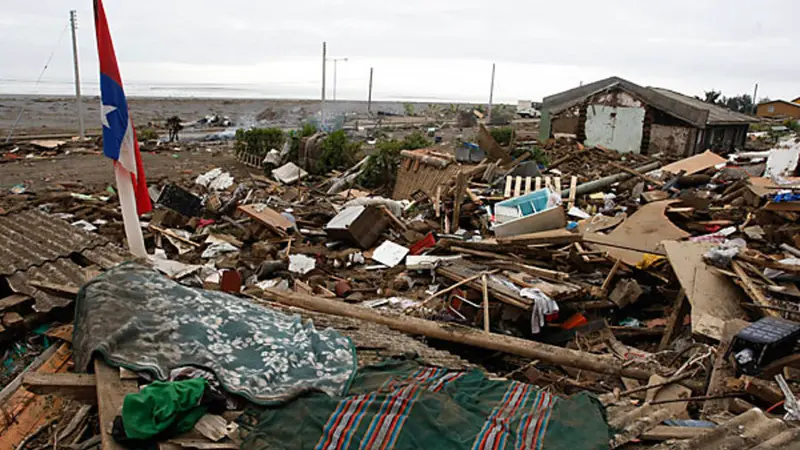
(440, 49)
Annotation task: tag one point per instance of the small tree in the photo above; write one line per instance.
(338, 152)
(408, 108)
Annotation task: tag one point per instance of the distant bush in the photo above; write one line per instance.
(146, 134)
(792, 125)
(415, 140)
(259, 141)
(381, 167)
(408, 108)
(502, 135)
(338, 152)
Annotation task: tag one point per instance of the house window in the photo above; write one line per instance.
(771, 108)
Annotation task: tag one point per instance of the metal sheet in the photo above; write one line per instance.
(31, 238)
(617, 128)
(61, 271)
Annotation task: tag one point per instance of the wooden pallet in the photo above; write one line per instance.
(516, 186)
(250, 160)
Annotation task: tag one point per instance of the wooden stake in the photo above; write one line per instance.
(527, 185)
(573, 185)
(450, 288)
(507, 192)
(485, 284)
(679, 309)
(437, 200)
(538, 183)
(558, 184)
(461, 184)
(518, 187)
(610, 277)
(548, 183)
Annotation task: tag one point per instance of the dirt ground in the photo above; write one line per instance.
(94, 170)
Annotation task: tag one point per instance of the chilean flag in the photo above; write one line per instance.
(119, 136)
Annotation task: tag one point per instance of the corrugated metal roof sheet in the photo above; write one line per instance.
(31, 238)
(61, 271)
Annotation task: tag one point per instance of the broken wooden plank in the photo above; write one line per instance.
(15, 300)
(665, 433)
(76, 386)
(542, 237)
(485, 289)
(509, 186)
(464, 335)
(573, 184)
(679, 309)
(461, 183)
(753, 291)
(111, 391)
(174, 235)
(518, 186)
(723, 370)
(268, 217)
(64, 290)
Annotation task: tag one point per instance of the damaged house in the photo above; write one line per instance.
(621, 115)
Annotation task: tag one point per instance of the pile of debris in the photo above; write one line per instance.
(667, 291)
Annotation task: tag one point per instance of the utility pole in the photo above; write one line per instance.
(491, 97)
(755, 102)
(336, 60)
(324, 60)
(73, 20)
(369, 97)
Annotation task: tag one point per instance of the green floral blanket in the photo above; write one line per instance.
(138, 319)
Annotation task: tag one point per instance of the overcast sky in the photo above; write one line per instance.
(434, 49)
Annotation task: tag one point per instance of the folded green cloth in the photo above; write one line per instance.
(163, 406)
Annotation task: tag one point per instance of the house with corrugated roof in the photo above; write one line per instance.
(620, 115)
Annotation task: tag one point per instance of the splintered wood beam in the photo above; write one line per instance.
(111, 391)
(77, 386)
(679, 310)
(753, 291)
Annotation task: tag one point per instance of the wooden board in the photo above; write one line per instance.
(487, 143)
(696, 163)
(599, 223)
(644, 230)
(268, 217)
(111, 390)
(714, 298)
(25, 412)
(542, 237)
(77, 386)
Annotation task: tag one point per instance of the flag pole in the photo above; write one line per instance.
(130, 217)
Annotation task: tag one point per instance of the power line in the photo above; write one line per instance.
(46, 65)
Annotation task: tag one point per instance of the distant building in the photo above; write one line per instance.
(621, 115)
(779, 108)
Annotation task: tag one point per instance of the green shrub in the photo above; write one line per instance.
(408, 108)
(146, 134)
(381, 167)
(338, 152)
(502, 135)
(415, 140)
(792, 125)
(259, 141)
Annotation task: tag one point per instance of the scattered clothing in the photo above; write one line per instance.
(164, 409)
(403, 405)
(139, 319)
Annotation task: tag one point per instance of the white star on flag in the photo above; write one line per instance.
(105, 111)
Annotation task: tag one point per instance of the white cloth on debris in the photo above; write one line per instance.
(542, 306)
